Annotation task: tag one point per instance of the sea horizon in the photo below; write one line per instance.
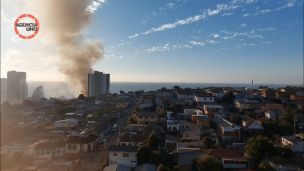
(62, 88)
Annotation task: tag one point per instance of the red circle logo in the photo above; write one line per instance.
(29, 26)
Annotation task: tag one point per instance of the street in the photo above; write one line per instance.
(102, 156)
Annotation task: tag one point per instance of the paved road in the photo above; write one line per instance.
(100, 157)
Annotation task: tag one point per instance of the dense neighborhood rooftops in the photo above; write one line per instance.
(67, 120)
(213, 106)
(122, 148)
(294, 138)
(188, 157)
(146, 114)
(224, 122)
(22, 144)
(222, 153)
(76, 139)
(49, 145)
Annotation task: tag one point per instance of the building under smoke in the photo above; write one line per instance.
(17, 88)
(98, 83)
(38, 92)
(3, 89)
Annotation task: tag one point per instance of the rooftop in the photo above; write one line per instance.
(224, 122)
(213, 106)
(294, 138)
(146, 114)
(76, 139)
(122, 148)
(222, 153)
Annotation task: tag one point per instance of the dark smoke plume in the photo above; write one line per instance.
(62, 23)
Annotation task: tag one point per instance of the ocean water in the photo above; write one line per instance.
(57, 89)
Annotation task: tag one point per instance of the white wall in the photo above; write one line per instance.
(119, 159)
(270, 115)
(204, 99)
(59, 153)
(220, 95)
(296, 146)
(42, 152)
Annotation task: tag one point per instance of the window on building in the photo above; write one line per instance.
(204, 98)
(125, 154)
(47, 152)
(42, 152)
(152, 117)
(69, 147)
(37, 152)
(74, 147)
(210, 98)
(114, 154)
(58, 151)
(146, 117)
(140, 117)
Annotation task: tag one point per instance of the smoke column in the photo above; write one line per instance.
(62, 23)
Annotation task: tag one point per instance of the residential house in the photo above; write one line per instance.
(245, 105)
(55, 149)
(252, 127)
(205, 98)
(117, 167)
(172, 126)
(148, 97)
(186, 93)
(186, 158)
(146, 167)
(124, 155)
(26, 148)
(210, 110)
(230, 159)
(80, 143)
(203, 122)
(296, 142)
(135, 138)
(297, 98)
(284, 95)
(101, 130)
(146, 117)
(190, 137)
(160, 107)
(66, 123)
(268, 93)
(121, 104)
(281, 164)
(136, 127)
(219, 95)
(228, 130)
(170, 141)
(270, 115)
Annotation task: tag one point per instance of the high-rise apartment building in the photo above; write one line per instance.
(98, 83)
(17, 88)
(3, 89)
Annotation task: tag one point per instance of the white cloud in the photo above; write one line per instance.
(251, 44)
(219, 8)
(135, 35)
(145, 21)
(177, 23)
(290, 3)
(262, 12)
(197, 43)
(170, 5)
(95, 5)
(243, 25)
(268, 29)
(266, 43)
(215, 35)
(153, 13)
(245, 15)
(227, 14)
(212, 41)
(159, 48)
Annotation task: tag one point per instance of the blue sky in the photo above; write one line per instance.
(178, 41)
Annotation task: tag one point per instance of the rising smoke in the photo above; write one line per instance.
(62, 23)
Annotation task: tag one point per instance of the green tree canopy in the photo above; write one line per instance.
(259, 147)
(130, 120)
(153, 141)
(265, 167)
(228, 98)
(161, 167)
(143, 153)
(208, 163)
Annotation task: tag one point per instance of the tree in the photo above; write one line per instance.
(208, 163)
(228, 98)
(122, 92)
(17, 156)
(27, 103)
(265, 167)
(209, 144)
(143, 153)
(6, 107)
(130, 120)
(176, 168)
(161, 167)
(161, 114)
(153, 141)
(259, 147)
(82, 97)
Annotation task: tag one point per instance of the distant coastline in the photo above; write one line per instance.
(60, 88)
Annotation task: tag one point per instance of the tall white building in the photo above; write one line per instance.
(3, 89)
(17, 88)
(98, 83)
